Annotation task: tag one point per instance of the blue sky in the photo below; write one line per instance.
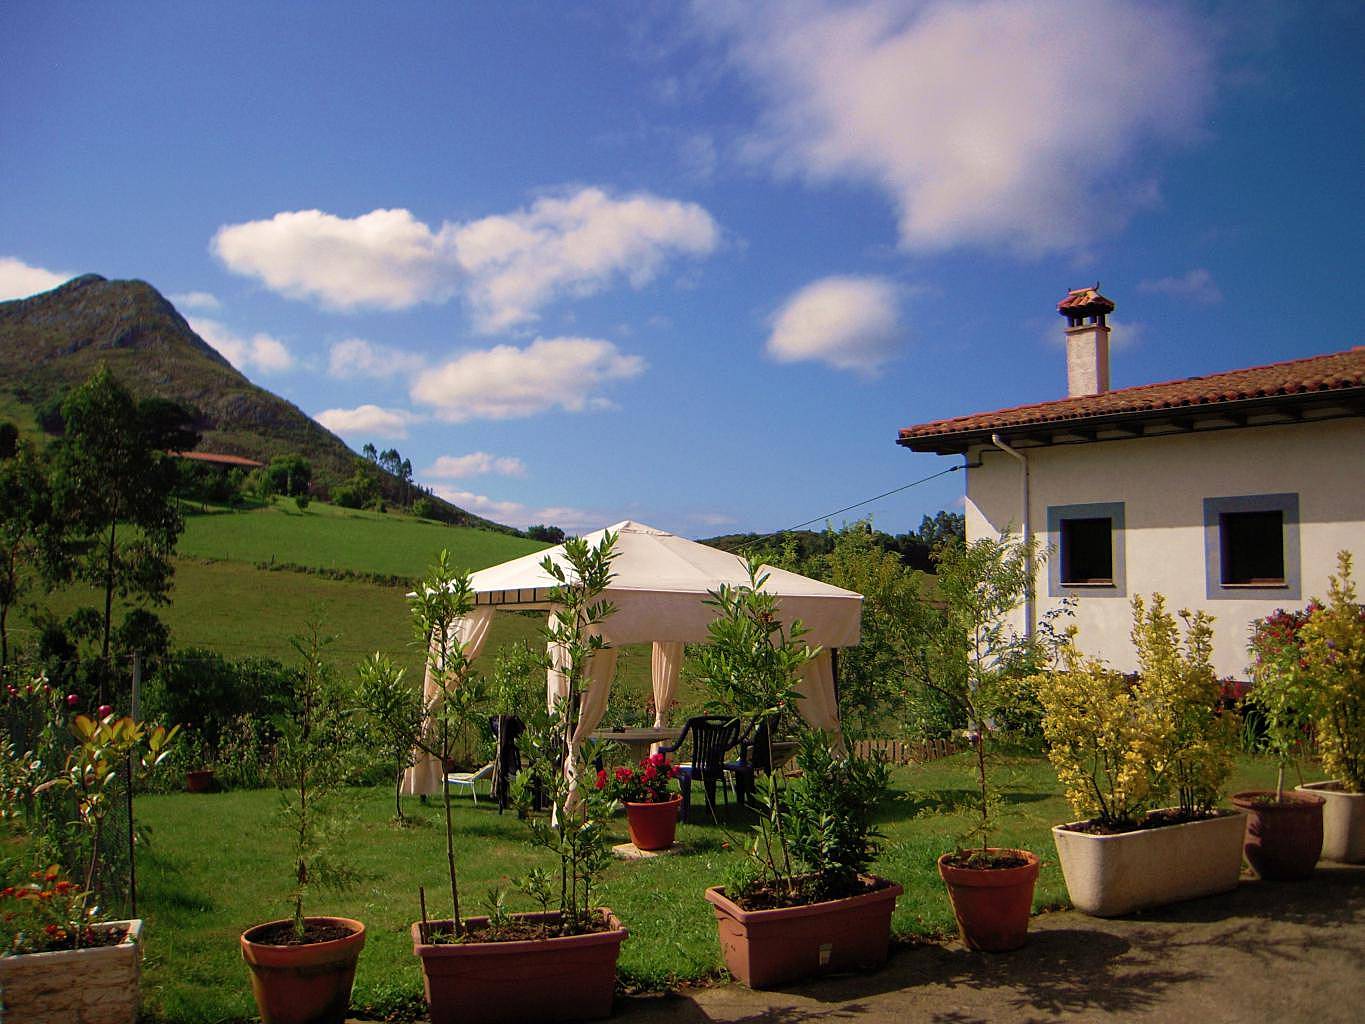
(692, 265)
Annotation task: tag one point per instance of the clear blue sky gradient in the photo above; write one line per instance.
(130, 133)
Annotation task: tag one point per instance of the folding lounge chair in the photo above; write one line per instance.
(470, 779)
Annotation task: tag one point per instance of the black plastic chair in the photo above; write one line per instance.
(755, 755)
(712, 738)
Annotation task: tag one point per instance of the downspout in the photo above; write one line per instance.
(1026, 527)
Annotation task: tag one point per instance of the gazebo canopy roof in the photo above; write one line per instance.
(660, 583)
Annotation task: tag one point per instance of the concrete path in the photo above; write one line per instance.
(1267, 952)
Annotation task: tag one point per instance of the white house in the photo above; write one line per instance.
(1231, 492)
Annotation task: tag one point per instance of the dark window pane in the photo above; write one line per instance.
(1087, 550)
(1252, 546)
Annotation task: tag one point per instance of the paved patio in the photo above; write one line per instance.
(1266, 952)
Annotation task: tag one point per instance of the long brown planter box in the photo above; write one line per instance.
(764, 948)
(99, 985)
(568, 978)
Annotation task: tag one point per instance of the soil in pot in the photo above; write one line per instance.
(992, 896)
(96, 984)
(563, 978)
(307, 981)
(653, 826)
(1283, 837)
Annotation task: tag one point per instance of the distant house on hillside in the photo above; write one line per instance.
(1231, 492)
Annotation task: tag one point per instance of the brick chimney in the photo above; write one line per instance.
(1087, 341)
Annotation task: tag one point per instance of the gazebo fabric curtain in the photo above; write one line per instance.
(665, 667)
(471, 630)
(819, 706)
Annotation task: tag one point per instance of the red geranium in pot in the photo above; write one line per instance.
(651, 804)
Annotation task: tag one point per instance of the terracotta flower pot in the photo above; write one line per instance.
(1284, 837)
(653, 826)
(992, 905)
(1343, 822)
(765, 948)
(560, 979)
(200, 781)
(309, 984)
(98, 985)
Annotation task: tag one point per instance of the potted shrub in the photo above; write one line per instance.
(200, 779)
(1333, 646)
(803, 902)
(302, 967)
(60, 960)
(651, 806)
(551, 965)
(1122, 745)
(1284, 830)
(971, 657)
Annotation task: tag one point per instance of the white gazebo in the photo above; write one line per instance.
(659, 585)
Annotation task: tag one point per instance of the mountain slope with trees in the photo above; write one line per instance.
(52, 342)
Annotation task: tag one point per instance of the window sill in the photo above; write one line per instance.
(1256, 585)
(1089, 585)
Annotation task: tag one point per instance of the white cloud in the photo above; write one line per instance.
(19, 280)
(258, 352)
(367, 420)
(386, 259)
(714, 519)
(195, 300)
(514, 513)
(508, 265)
(506, 382)
(1197, 285)
(356, 357)
(1024, 123)
(851, 323)
(453, 467)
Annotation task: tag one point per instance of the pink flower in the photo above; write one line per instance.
(72, 700)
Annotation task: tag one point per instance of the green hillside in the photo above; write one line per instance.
(52, 342)
(327, 537)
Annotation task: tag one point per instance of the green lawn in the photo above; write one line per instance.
(331, 537)
(215, 864)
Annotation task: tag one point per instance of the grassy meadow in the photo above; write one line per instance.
(216, 863)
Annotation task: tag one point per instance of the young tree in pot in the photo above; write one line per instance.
(1284, 830)
(302, 968)
(1334, 658)
(803, 903)
(973, 658)
(557, 964)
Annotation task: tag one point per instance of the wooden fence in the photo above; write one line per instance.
(906, 751)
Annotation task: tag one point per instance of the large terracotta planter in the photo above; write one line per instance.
(99, 985)
(560, 979)
(653, 826)
(765, 948)
(1343, 822)
(1284, 837)
(992, 905)
(1111, 875)
(308, 984)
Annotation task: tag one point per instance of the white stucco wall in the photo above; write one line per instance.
(1163, 482)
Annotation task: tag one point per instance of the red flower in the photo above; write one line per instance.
(72, 700)
(650, 773)
(601, 778)
(106, 710)
(623, 773)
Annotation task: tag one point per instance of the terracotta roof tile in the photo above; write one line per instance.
(1316, 374)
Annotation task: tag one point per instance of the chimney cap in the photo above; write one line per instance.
(1085, 302)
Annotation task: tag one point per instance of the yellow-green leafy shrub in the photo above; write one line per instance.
(1121, 744)
(1333, 641)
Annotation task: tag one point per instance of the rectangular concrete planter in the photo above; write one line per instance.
(568, 978)
(1107, 876)
(1343, 822)
(99, 985)
(765, 948)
